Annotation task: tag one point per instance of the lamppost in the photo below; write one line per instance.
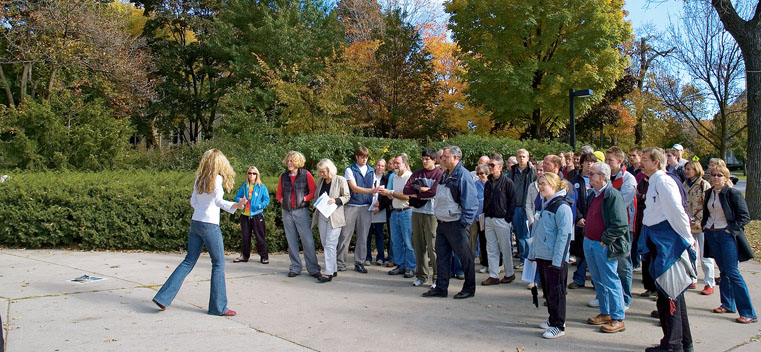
(581, 93)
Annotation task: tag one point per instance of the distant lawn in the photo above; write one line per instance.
(753, 232)
(741, 177)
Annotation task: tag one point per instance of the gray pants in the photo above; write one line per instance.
(358, 218)
(498, 241)
(297, 225)
(424, 245)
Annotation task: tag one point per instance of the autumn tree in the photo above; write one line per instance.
(707, 54)
(609, 112)
(522, 57)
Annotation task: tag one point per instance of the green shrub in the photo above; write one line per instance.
(113, 210)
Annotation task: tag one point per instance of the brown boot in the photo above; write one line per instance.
(599, 319)
(613, 326)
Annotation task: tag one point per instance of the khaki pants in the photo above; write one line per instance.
(423, 243)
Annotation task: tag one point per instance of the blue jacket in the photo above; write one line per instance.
(364, 182)
(553, 231)
(464, 192)
(259, 200)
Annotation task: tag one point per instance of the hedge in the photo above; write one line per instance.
(111, 210)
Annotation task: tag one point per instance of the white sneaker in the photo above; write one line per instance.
(546, 325)
(483, 269)
(417, 282)
(531, 285)
(433, 285)
(552, 332)
(593, 303)
(626, 308)
(637, 269)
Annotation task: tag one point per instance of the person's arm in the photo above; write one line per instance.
(343, 192)
(265, 197)
(468, 200)
(629, 190)
(279, 193)
(194, 196)
(219, 201)
(241, 192)
(742, 216)
(411, 186)
(312, 187)
(564, 223)
(671, 202)
(617, 224)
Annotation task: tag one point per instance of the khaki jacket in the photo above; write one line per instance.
(695, 200)
(339, 189)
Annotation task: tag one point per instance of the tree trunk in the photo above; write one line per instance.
(24, 79)
(753, 84)
(7, 87)
(51, 81)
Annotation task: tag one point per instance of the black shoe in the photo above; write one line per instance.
(463, 295)
(292, 274)
(434, 293)
(409, 273)
(360, 268)
(396, 271)
(316, 274)
(655, 314)
(335, 274)
(323, 279)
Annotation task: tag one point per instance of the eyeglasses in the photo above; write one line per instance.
(717, 175)
(252, 173)
(480, 173)
(492, 165)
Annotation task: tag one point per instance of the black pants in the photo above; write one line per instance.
(647, 279)
(676, 327)
(482, 249)
(376, 231)
(453, 237)
(554, 283)
(256, 225)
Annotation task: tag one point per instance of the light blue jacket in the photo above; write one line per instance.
(259, 200)
(553, 231)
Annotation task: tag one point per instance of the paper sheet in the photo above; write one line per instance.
(322, 205)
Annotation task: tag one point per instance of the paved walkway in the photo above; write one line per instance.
(356, 312)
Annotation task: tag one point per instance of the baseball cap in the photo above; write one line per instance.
(678, 147)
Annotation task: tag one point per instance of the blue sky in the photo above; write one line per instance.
(655, 12)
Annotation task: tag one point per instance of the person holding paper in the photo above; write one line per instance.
(337, 191)
(213, 176)
(552, 235)
(401, 214)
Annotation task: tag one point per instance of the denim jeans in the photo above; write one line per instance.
(297, 224)
(732, 288)
(521, 232)
(376, 231)
(401, 239)
(201, 233)
(456, 266)
(624, 271)
(607, 284)
(580, 275)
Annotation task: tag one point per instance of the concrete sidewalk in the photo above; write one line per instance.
(355, 312)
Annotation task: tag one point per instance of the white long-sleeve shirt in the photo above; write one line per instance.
(663, 202)
(206, 205)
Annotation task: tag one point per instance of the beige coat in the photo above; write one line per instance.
(695, 200)
(339, 189)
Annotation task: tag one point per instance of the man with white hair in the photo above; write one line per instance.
(606, 240)
(666, 232)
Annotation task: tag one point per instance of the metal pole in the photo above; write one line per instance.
(573, 121)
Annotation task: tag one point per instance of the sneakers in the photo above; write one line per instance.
(693, 286)
(368, 263)
(613, 327)
(396, 271)
(707, 290)
(593, 303)
(508, 279)
(379, 262)
(531, 285)
(546, 325)
(417, 282)
(433, 285)
(552, 332)
(360, 268)
(599, 319)
(483, 269)
(490, 281)
(637, 269)
(342, 268)
(518, 266)
(409, 274)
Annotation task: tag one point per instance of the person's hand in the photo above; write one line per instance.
(581, 223)
(305, 199)
(376, 205)
(331, 201)
(424, 189)
(374, 190)
(386, 192)
(376, 211)
(243, 200)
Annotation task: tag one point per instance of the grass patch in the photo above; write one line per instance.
(753, 232)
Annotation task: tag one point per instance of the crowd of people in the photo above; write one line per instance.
(609, 212)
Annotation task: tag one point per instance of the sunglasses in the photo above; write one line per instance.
(717, 175)
(252, 173)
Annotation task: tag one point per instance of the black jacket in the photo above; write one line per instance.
(384, 202)
(499, 198)
(736, 212)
